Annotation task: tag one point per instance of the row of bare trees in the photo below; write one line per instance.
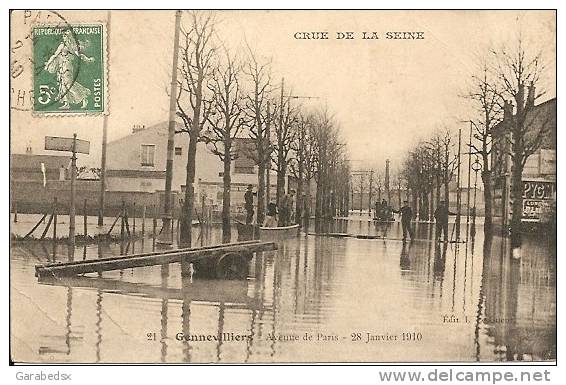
(372, 186)
(501, 104)
(503, 93)
(428, 170)
(224, 96)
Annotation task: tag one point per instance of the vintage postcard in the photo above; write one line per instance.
(261, 186)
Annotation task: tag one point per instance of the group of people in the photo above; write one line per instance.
(275, 215)
(383, 211)
(440, 217)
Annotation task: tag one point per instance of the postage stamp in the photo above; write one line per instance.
(68, 73)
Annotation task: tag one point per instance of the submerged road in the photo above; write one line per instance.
(315, 299)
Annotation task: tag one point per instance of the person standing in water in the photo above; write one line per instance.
(249, 204)
(406, 217)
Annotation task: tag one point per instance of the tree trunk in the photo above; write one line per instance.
(318, 203)
(437, 190)
(447, 193)
(260, 174)
(517, 201)
(446, 179)
(188, 204)
(299, 201)
(226, 178)
(487, 196)
(425, 206)
(518, 151)
(414, 202)
(280, 178)
(431, 205)
(281, 191)
(307, 204)
(260, 192)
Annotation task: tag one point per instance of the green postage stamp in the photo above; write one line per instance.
(69, 63)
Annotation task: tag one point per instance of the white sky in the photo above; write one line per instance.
(386, 94)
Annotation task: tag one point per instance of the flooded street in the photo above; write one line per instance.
(316, 299)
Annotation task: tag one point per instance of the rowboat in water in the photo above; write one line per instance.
(277, 233)
(249, 232)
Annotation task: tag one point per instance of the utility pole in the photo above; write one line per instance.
(166, 232)
(387, 182)
(458, 192)
(104, 140)
(268, 166)
(361, 192)
(280, 189)
(469, 176)
(73, 193)
(370, 190)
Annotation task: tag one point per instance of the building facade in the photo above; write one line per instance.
(32, 167)
(137, 163)
(539, 173)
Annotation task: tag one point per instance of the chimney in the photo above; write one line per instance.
(531, 95)
(520, 98)
(508, 111)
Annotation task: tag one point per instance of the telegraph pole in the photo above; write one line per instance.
(280, 188)
(104, 140)
(458, 192)
(73, 192)
(469, 176)
(166, 232)
(268, 166)
(370, 191)
(387, 182)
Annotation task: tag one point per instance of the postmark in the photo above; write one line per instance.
(69, 69)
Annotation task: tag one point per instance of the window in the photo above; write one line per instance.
(147, 154)
(178, 150)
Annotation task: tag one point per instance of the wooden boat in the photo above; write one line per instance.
(278, 233)
(249, 232)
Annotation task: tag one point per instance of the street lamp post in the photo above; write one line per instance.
(476, 166)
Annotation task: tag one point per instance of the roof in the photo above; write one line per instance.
(161, 126)
(543, 113)
(33, 161)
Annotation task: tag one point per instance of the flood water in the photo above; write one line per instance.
(315, 299)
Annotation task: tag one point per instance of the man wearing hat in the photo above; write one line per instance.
(249, 204)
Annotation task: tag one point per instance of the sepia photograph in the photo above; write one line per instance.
(282, 186)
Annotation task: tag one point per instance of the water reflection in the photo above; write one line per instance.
(311, 284)
(405, 261)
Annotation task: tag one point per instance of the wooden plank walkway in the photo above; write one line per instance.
(149, 259)
(380, 237)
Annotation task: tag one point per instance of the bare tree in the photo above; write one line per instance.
(302, 165)
(486, 95)
(225, 124)
(258, 116)
(285, 132)
(448, 161)
(515, 69)
(429, 165)
(194, 101)
(329, 155)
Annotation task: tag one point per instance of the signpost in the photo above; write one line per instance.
(73, 145)
(58, 143)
